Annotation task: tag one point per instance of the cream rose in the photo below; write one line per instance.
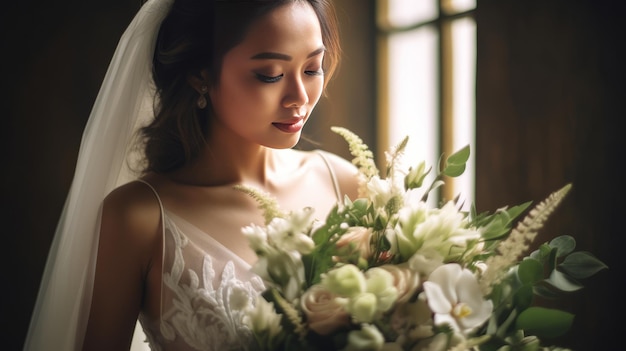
(406, 281)
(323, 312)
(360, 238)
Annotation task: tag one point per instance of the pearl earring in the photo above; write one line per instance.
(202, 100)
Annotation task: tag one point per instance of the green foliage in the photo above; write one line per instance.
(454, 165)
(548, 272)
(544, 322)
(498, 225)
(564, 266)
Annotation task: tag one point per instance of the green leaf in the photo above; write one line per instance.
(581, 264)
(562, 282)
(454, 170)
(523, 298)
(454, 165)
(530, 271)
(459, 157)
(544, 322)
(542, 253)
(545, 292)
(564, 244)
(498, 224)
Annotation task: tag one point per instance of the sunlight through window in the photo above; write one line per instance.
(427, 65)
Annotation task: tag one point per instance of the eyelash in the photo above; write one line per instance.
(268, 79)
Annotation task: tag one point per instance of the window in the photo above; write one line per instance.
(427, 65)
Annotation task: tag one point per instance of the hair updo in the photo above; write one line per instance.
(195, 36)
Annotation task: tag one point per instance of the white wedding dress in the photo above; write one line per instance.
(204, 291)
(205, 288)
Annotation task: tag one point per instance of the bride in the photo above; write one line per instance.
(200, 96)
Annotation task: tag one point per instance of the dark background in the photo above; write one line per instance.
(550, 90)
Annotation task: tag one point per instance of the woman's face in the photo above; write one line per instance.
(271, 81)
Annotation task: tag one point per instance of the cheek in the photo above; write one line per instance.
(236, 98)
(314, 90)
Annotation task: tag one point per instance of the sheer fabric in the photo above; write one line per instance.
(204, 293)
(62, 306)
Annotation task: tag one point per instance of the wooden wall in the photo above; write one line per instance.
(54, 56)
(550, 92)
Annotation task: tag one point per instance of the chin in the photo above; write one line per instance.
(285, 143)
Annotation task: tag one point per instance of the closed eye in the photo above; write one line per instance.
(268, 79)
(319, 72)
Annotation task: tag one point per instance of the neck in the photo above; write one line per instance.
(228, 166)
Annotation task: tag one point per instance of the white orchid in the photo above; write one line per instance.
(455, 297)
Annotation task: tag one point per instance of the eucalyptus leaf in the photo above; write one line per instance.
(544, 322)
(581, 265)
(565, 244)
(552, 260)
(541, 253)
(530, 271)
(562, 282)
(544, 291)
(523, 298)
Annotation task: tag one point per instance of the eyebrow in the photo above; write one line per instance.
(284, 57)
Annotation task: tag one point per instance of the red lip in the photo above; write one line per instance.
(292, 125)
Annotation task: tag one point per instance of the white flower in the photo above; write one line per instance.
(364, 295)
(380, 191)
(454, 296)
(263, 318)
(282, 269)
(345, 281)
(257, 238)
(425, 261)
(368, 338)
(380, 282)
(421, 228)
(291, 234)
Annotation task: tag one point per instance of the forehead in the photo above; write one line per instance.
(287, 29)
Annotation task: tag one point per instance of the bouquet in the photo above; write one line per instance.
(386, 271)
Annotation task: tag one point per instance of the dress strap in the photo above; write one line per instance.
(332, 174)
(139, 336)
(155, 194)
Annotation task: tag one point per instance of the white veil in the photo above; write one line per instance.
(61, 310)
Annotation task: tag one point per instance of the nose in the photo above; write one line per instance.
(296, 94)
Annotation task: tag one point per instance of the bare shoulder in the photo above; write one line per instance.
(346, 173)
(131, 213)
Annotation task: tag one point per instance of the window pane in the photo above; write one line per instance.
(455, 6)
(413, 94)
(408, 12)
(464, 97)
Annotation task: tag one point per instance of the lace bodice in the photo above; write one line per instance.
(204, 291)
(205, 288)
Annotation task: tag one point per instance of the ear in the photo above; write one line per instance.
(199, 82)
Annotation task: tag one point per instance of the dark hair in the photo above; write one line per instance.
(195, 36)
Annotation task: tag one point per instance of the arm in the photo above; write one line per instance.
(129, 236)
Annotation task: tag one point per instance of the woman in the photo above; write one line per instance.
(235, 83)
